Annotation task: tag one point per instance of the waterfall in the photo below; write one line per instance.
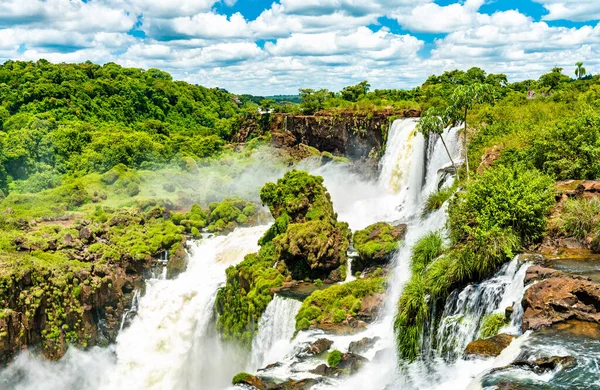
(175, 316)
(275, 329)
(464, 310)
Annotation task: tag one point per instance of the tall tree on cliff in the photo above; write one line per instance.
(462, 101)
(435, 121)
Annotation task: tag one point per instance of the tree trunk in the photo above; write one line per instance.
(449, 155)
(465, 146)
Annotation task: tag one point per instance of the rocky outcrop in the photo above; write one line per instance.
(490, 347)
(559, 298)
(297, 290)
(370, 306)
(376, 244)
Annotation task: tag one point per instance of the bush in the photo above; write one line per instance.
(505, 197)
(570, 148)
(334, 358)
(410, 319)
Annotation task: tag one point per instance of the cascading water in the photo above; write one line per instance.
(461, 320)
(275, 329)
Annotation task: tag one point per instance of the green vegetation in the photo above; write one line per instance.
(496, 214)
(425, 251)
(334, 358)
(491, 325)
(579, 218)
(240, 378)
(304, 242)
(336, 303)
(376, 243)
(436, 199)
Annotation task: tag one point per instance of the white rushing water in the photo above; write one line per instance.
(275, 329)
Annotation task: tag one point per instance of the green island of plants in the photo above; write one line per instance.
(306, 242)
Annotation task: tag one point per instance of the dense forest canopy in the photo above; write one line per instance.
(75, 119)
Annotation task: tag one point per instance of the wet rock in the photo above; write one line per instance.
(303, 384)
(538, 272)
(370, 307)
(325, 370)
(508, 312)
(249, 380)
(362, 345)
(319, 346)
(297, 290)
(561, 298)
(544, 364)
(351, 362)
(177, 262)
(347, 327)
(270, 367)
(490, 347)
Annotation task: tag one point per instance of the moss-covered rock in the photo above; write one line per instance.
(375, 244)
(338, 303)
(313, 249)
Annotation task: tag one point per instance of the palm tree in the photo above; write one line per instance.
(580, 71)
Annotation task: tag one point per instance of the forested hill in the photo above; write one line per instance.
(79, 118)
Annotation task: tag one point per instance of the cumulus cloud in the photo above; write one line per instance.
(576, 10)
(295, 44)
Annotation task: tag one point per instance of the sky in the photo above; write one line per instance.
(267, 47)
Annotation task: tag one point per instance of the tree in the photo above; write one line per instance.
(312, 100)
(462, 100)
(354, 92)
(435, 121)
(553, 79)
(580, 71)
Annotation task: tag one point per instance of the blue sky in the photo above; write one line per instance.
(277, 46)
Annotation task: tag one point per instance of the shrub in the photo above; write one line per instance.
(334, 358)
(491, 325)
(503, 197)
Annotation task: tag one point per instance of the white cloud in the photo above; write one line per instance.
(575, 10)
(204, 25)
(433, 18)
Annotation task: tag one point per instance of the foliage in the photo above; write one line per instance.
(411, 316)
(436, 199)
(425, 251)
(336, 303)
(491, 324)
(240, 378)
(376, 242)
(580, 217)
(334, 358)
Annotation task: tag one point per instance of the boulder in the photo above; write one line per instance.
(303, 384)
(370, 306)
(362, 345)
(559, 299)
(250, 380)
(537, 272)
(85, 234)
(351, 362)
(376, 244)
(319, 346)
(545, 364)
(325, 370)
(490, 347)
